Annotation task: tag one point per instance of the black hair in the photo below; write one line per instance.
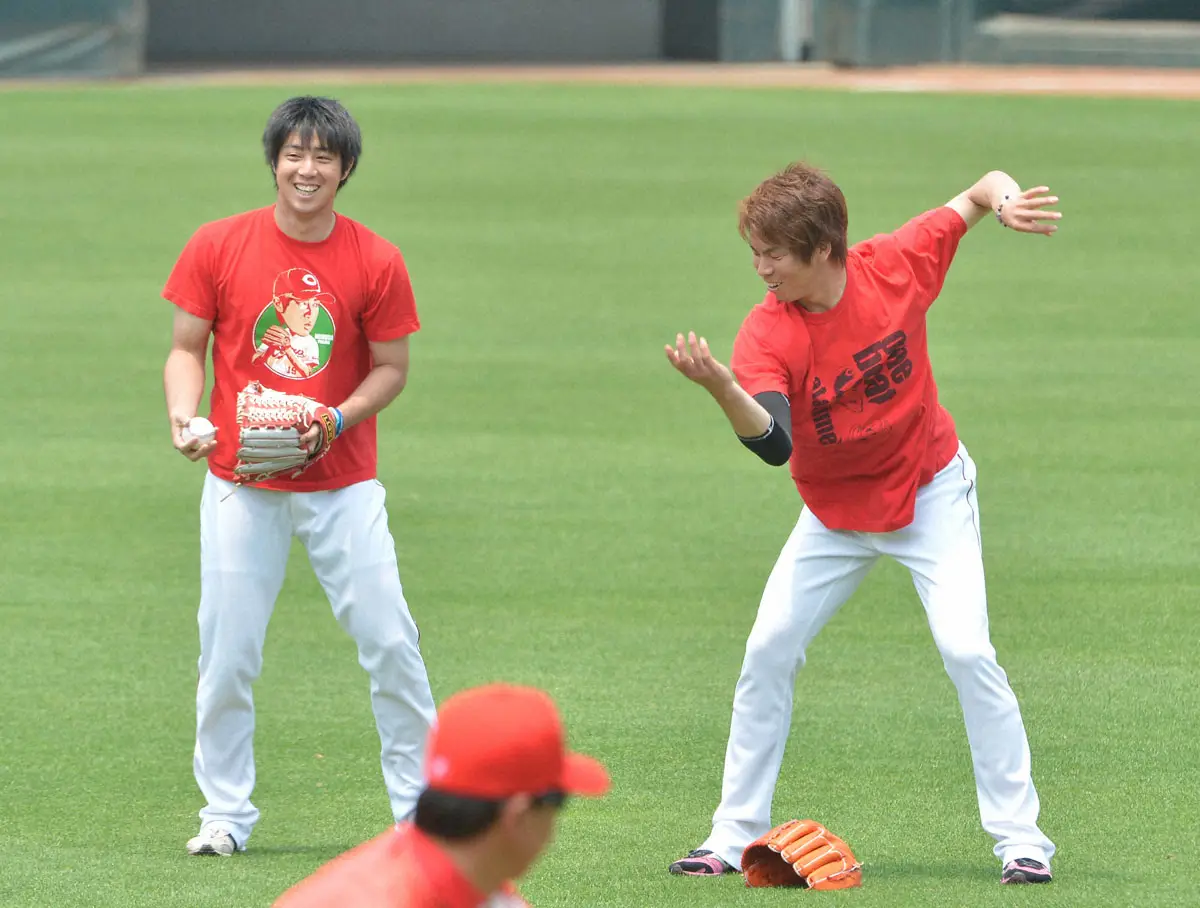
(324, 118)
(453, 817)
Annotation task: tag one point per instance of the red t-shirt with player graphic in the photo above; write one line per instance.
(867, 428)
(402, 868)
(297, 317)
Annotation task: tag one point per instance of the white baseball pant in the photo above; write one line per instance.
(816, 573)
(245, 536)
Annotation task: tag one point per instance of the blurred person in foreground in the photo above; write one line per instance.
(498, 775)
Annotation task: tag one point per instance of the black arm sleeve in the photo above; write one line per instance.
(775, 445)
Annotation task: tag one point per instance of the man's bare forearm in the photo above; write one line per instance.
(746, 415)
(992, 188)
(382, 385)
(183, 384)
(985, 196)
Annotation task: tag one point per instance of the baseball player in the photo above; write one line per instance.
(831, 372)
(499, 773)
(258, 283)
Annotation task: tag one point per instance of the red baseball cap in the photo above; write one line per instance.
(299, 283)
(500, 740)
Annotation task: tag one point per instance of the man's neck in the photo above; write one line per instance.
(827, 292)
(473, 860)
(311, 229)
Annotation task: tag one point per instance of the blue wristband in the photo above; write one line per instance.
(337, 415)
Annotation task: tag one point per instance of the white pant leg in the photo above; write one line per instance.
(943, 550)
(345, 532)
(245, 535)
(816, 573)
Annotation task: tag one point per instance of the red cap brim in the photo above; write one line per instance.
(585, 776)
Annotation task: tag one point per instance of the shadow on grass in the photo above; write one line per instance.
(324, 852)
(898, 871)
(931, 870)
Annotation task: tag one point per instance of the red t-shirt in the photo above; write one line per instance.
(296, 317)
(867, 428)
(402, 868)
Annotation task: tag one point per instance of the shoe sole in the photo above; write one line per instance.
(1025, 879)
(205, 851)
(679, 871)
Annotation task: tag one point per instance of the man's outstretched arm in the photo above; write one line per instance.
(998, 194)
(762, 422)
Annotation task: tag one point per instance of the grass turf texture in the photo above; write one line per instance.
(570, 513)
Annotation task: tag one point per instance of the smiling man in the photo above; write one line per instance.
(302, 300)
(831, 373)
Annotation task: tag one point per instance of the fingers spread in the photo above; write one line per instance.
(1040, 201)
(676, 355)
(681, 348)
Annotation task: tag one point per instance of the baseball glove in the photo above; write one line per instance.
(801, 853)
(270, 425)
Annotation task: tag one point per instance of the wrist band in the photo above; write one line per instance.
(1000, 209)
(337, 415)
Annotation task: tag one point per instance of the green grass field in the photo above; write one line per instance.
(572, 514)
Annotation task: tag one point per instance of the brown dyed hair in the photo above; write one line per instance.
(799, 208)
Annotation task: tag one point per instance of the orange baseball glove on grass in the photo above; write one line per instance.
(801, 853)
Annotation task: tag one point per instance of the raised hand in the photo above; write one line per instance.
(693, 358)
(1027, 212)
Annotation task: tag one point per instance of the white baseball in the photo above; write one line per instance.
(200, 429)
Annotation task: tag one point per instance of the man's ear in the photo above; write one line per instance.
(349, 167)
(514, 811)
(824, 251)
(516, 807)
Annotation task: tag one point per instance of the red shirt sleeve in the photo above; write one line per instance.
(192, 285)
(928, 243)
(755, 363)
(392, 310)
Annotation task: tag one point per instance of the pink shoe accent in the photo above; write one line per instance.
(700, 865)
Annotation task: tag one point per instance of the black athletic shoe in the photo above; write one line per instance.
(1025, 870)
(701, 863)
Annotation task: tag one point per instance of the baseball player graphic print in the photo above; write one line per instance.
(296, 300)
(284, 333)
(830, 373)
